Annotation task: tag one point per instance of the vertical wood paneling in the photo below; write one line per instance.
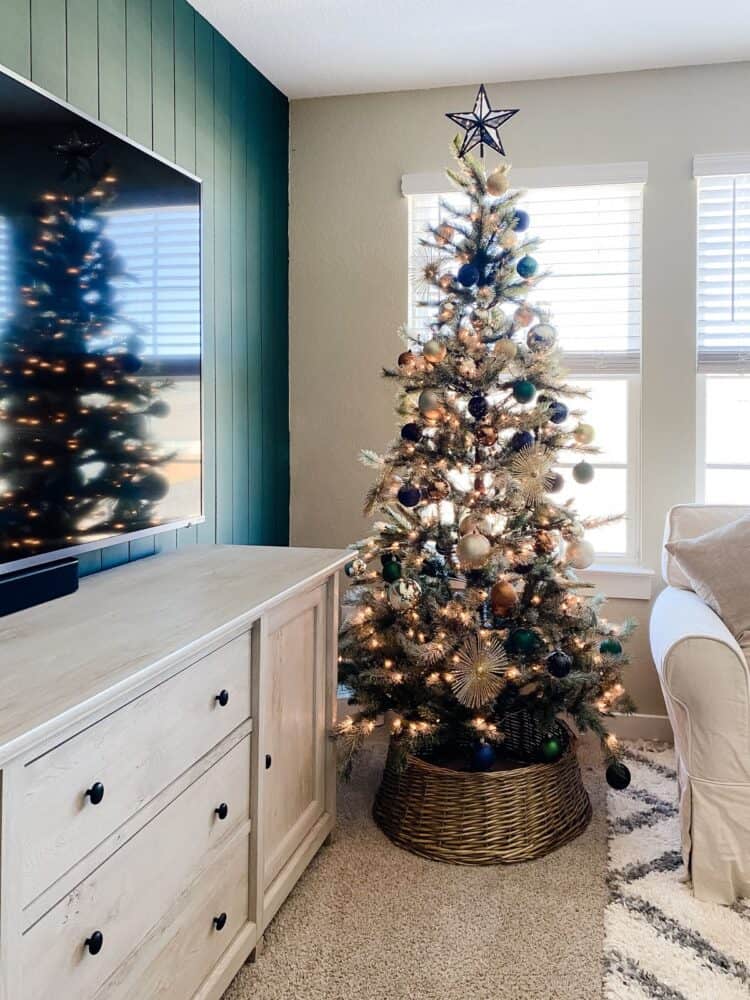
(113, 109)
(48, 45)
(162, 65)
(223, 284)
(138, 52)
(184, 84)
(255, 140)
(83, 55)
(238, 214)
(163, 76)
(15, 37)
(204, 164)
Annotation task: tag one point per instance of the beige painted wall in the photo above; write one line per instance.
(349, 270)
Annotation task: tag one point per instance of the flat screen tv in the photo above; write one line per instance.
(100, 334)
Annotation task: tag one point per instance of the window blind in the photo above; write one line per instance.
(6, 275)
(161, 293)
(723, 278)
(592, 249)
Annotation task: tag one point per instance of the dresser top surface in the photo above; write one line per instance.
(123, 622)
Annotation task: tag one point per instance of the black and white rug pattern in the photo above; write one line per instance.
(660, 942)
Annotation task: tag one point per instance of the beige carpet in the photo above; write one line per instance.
(372, 922)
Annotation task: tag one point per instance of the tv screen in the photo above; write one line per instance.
(100, 334)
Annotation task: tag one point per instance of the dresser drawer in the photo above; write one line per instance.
(126, 898)
(188, 947)
(129, 757)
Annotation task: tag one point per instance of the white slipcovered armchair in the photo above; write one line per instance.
(706, 684)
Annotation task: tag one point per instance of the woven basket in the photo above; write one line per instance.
(484, 818)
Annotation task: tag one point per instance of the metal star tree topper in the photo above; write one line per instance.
(482, 125)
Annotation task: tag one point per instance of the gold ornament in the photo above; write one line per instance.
(429, 404)
(434, 351)
(473, 551)
(472, 523)
(508, 239)
(486, 436)
(467, 368)
(505, 349)
(479, 670)
(497, 182)
(532, 469)
(580, 554)
(503, 598)
(468, 339)
(444, 234)
(584, 433)
(523, 316)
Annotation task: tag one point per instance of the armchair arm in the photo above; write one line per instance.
(706, 684)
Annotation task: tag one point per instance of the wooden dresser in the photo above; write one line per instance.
(166, 770)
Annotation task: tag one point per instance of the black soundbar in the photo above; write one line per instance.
(24, 588)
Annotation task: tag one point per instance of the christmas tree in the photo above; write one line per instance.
(76, 461)
(465, 608)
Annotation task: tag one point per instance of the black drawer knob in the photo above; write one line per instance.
(220, 922)
(95, 794)
(222, 811)
(223, 697)
(268, 761)
(95, 942)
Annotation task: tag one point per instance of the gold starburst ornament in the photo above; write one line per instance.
(479, 670)
(532, 469)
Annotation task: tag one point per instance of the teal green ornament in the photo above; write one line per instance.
(611, 646)
(392, 571)
(524, 391)
(550, 749)
(583, 472)
(527, 267)
(522, 640)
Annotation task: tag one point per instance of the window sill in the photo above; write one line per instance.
(620, 580)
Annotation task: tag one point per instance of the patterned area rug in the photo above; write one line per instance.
(659, 941)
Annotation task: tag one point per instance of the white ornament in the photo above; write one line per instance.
(473, 551)
(580, 554)
(404, 594)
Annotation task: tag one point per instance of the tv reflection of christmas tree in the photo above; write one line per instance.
(76, 461)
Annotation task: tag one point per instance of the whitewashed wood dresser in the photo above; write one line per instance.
(166, 770)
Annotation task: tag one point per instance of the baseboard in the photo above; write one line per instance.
(641, 727)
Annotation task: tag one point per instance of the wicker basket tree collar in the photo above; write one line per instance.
(465, 611)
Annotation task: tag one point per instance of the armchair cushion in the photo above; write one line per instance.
(688, 520)
(717, 564)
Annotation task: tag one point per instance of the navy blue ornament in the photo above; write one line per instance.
(559, 663)
(521, 439)
(409, 496)
(555, 482)
(411, 432)
(526, 267)
(618, 775)
(558, 412)
(468, 275)
(521, 220)
(478, 406)
(482, 756)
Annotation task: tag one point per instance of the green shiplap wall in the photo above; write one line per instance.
(156, 71)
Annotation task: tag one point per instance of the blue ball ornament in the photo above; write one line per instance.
(558, 412)
(409, 496)
(526, 267)
(478, 406)
(521, 439)
(521, 220)
(468, 275)
(482, 756)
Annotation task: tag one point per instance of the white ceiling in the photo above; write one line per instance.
(315, 48)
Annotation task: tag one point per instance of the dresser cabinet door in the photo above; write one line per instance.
(294, 728)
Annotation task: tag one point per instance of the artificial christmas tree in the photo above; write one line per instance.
(468, 625)
(76, 459)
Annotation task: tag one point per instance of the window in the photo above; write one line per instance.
(591, 236)
(6, 283)
(161, 291)
(723, 328)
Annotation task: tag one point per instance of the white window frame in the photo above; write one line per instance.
(564, 176)
(710, 165)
